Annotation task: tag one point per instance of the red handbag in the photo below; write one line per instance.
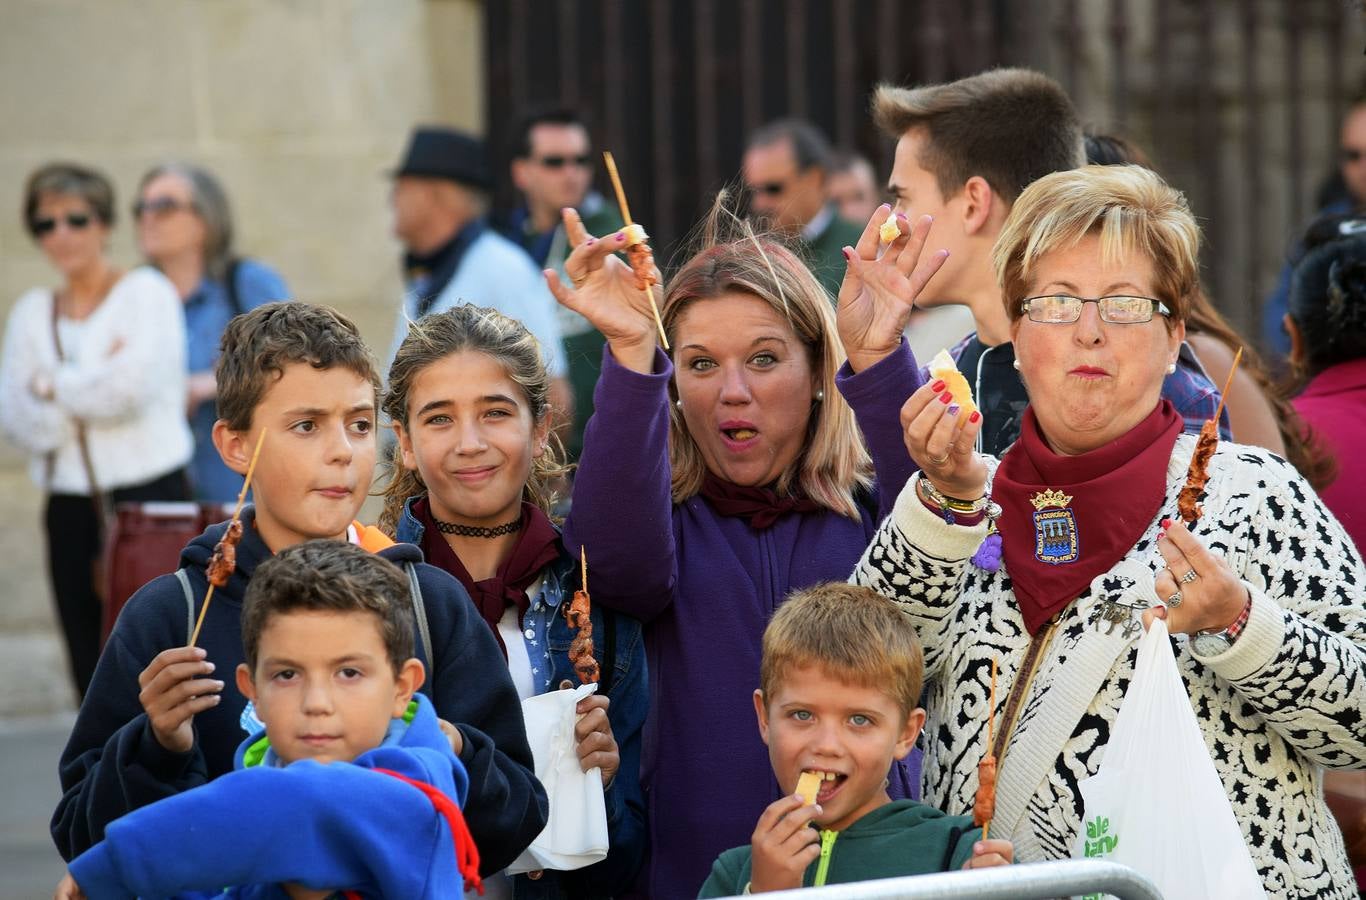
(145, 541)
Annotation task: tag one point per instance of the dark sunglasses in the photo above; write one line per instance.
(74, 221)
(559, 162)
(159, 206)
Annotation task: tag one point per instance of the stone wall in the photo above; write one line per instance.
(300, 106)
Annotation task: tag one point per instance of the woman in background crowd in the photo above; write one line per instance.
(92, 382)
(184, 228)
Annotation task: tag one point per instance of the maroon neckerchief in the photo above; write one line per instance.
(1052, 554)
(762, 506)
(538, 545)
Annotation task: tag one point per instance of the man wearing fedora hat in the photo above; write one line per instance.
(440, 199)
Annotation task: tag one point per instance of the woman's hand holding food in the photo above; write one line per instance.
(605, 293)
(1211, 597)
(879, 292)
(940, 439)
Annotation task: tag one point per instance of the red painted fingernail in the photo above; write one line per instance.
(937, 386)
(1166, 523)
(974, 417)
(621, 235)
(945, 397)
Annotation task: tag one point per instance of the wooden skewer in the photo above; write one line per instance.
(236, 514)
(626, 216)
(991, 714)
(1228, 383)
(583, 561)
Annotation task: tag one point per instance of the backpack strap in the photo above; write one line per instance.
(184, 578)
(230, 283)
(420, 613)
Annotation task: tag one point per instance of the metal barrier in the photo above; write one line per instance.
(1032, 881)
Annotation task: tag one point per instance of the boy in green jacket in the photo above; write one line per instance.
(839, 682)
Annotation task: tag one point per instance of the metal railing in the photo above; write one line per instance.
(1033, 881)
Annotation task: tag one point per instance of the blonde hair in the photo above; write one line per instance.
(833, 463)
(853, 634)
(482, 330)
(1130, 208)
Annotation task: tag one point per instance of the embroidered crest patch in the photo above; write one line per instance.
(1055, 528)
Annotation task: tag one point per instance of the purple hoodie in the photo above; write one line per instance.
(705, 586)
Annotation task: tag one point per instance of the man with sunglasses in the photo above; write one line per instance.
(552, 166)
(1344, 192)
(785, 169)
(965, 151)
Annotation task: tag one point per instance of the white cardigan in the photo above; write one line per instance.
(1285, 702)
(124, 376)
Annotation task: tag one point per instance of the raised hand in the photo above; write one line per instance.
(1211, 595)
(878, 293)
(940, 440)
(604, 292)
(173, 692)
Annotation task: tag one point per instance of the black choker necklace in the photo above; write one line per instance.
(478, 530)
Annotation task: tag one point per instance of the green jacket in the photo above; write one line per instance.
(900, 838)
(824, 254)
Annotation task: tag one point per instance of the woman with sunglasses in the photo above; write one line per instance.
(92, 383)
(184, 228)
(1264, 595)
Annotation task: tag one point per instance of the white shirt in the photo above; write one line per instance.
(124, 376)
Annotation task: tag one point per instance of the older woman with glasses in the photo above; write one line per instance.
(184, 228)
(1263, 594)
(92, 378)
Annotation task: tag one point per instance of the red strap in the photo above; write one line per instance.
(466, 854)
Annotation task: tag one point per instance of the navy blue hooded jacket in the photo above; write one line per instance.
(113, 763)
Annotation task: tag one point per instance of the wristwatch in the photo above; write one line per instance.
(1212, 643)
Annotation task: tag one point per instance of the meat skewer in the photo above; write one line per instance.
(579, 616)
(984, 806)
(224, 560)
(1187, 502)
(638, 252)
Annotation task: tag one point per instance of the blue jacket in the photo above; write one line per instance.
(113, 763)
(326, 826)
(207, 313)
(547, 635)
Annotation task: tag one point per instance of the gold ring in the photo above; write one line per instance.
(1175, 599)
(1190, 576)
(941, 460)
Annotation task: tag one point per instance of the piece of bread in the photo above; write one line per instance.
(808, 785)
(890, 230)
(944, 368)
(635, 235)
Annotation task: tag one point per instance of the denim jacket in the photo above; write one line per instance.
(547, 635)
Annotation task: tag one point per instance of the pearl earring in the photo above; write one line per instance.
(1016, 364)
(679, 404)
(1171, 367)
(820, 395)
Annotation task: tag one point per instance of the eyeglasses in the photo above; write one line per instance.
(559, 162)
(1064, 309)
(45, 226)
(159, 206)
(769, 188)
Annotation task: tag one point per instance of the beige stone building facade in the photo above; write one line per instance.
(300, 106)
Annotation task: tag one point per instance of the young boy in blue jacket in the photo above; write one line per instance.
(157, 719)
(327, 630)
(839, 682)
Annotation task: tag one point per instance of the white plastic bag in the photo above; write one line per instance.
(1157, 804)
(576, 833)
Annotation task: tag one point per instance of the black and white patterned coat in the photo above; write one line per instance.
(1285, 702)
